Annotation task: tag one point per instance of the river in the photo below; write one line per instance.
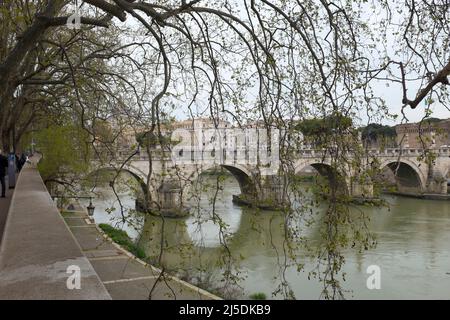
(413, 250)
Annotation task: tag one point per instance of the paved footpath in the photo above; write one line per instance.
(124, 276)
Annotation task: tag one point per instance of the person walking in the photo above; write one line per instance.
(3, 166)
(23, 160)
(18, 166)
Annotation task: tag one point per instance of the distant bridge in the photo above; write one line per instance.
(252, 156)
(173, 178)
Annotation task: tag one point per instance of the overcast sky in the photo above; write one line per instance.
(392, 94)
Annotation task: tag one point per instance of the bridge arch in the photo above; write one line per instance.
(135, 173)
(408, 176)
(242, 175)
(325, 169)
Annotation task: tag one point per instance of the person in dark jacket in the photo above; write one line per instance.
(23, 160)
(3, 166)
(18, 166)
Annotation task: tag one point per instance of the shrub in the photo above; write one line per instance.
(121, 238)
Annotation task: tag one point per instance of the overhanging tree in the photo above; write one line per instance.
(275, 61)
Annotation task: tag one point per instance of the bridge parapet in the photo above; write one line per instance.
(226, 157)
(408, 152)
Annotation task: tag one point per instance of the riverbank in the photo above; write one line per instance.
(125, 276)
(241, 200)
(425, 196)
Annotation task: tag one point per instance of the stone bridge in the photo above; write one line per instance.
(175, 173)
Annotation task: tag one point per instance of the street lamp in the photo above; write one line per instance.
(90, 208)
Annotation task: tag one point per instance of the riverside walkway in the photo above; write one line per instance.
(40, 246)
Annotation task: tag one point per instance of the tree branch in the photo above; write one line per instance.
(440, 77)
(109, 8)
(59, 21)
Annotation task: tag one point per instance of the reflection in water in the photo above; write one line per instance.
(413, 248)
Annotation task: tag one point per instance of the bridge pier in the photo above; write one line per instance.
(436, 183)
(170, 199)
(360, 188)
(166, 200)
(268, 194)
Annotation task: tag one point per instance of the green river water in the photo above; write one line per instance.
(413, 250)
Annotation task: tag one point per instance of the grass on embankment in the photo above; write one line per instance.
(122, 238)
(258, 296)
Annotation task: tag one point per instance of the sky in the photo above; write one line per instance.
(393, 96)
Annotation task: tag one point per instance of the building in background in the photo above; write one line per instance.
(432, 133)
